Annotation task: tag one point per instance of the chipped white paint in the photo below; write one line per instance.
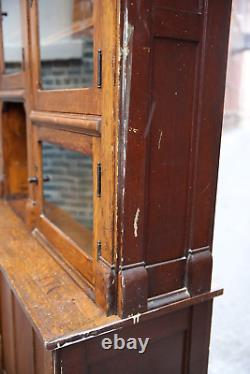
(61, 367)
(126, 72)
(136, 220)
(159, 141)
(136, 318)
(110, 328)
(123, 282)
(134, 130)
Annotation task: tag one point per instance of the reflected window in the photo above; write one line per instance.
(12, 36)
(68, 193)
(66, 43)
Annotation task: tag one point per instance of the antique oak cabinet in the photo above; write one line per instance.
(110, 123)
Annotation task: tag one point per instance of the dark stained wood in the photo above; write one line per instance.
(7, 328)
(155, 128)
(167, 179)
(23, 341)
(167, 352)
(23, 351)
(183, 5)
(44, 360)
(176, 25)
(158, 273)
(169, 150)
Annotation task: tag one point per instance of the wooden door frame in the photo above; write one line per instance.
(63, 245)
(85, 100)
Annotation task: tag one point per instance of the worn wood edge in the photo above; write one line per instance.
(70, 122)
(12, 95)
(85, 264)
(80, 336)
(105, 285)
(132, 289)
(168, 298)
(76, 277)
(19, 292)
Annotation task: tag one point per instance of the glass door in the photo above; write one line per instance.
(66, 55)
(12, 51)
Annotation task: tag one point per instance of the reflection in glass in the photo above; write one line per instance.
(68, 193)
(12, 38)
(66, 43)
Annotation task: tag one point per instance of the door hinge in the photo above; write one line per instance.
(23, 58)
(99, 249)
(99, 179)
(99, 69)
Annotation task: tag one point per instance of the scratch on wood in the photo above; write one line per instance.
(206, 188)
(136, 220)
(150, 118)
(159, 141)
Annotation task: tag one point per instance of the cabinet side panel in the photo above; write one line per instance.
(23, 352)
(8, 335)
(174, 63)
(174, 122)
(165, 352)
(24, 341)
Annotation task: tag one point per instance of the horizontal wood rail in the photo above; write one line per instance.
(71, 122)
(12, 95)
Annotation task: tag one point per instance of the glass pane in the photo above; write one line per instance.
(12, 36)
(66, 43)
(68, 193)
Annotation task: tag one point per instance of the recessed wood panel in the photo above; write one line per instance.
(7, 327)
(130, 362)
(24, 341)
(173, 87)
(177, 25)
(185, 5)
(166, 277)
(167, 339)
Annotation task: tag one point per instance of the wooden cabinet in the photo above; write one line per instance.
(110, 137)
